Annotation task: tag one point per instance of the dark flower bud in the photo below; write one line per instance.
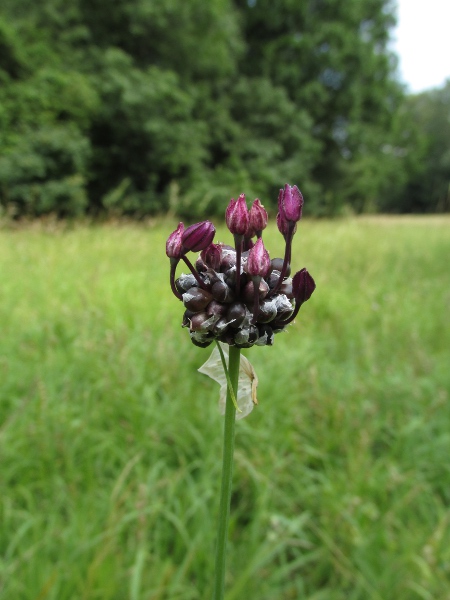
(249, 291)
(258, 263)
(277, 265)
(202, 322)
(267, 311)
(216, 308)
(220, 327)
(284, 307)
(187, 316)
(185, 282)
(282, 224)
(198, 236)
(273, 278)
(246, 337)
(200, 339)
(290, 203)
(200, 265)
(257, 218)
(303, 286)
(222, 292)
(174, 244)
(265, 338)
(286, 289)
(236, 314)
(228, 260)
(196, 299)
(237, 216)
(198, 320)
(212, 256)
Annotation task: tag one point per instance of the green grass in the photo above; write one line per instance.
(110, 441)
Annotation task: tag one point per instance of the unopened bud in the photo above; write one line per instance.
(257, 218)
(185, 282)
(258, 263)
(249, 291)
(216, 308)
(303, 286)
(290, 203)
(196, 299)
(237, 216)
(236, 314)
(174, 244)
(246, 337)
(200, 339)
(222, 292)
(267, 311)
(212, 256)
(277, 265)
(198, 236)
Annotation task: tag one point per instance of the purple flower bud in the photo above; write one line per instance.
(257, 218)
(212, 255)
(282, 224)
(258, 263)
(290, 203)
(173, 244)
(237, 216)
(198, 237)
(303, 286)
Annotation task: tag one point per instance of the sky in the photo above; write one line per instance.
(422, 42)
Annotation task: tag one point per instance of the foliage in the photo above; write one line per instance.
(180, 105)
(111, 441)
(429, 187)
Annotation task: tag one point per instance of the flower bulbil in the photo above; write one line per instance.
(238, 295)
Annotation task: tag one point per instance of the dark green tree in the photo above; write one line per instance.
(428, 190)
(332, 59)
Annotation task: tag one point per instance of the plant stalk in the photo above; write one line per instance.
(227, 475)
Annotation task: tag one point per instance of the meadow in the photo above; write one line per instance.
(110, 440)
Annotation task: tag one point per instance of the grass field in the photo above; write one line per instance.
(110, 441)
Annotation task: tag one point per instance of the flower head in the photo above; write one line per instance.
(237, 295)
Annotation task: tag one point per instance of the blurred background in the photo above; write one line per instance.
(140, 107)
(110, 440)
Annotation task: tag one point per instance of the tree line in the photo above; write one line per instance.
(136, 107)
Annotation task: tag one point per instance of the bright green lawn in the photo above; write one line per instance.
(110, 441)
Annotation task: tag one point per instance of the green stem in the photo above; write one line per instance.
(227, 475)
